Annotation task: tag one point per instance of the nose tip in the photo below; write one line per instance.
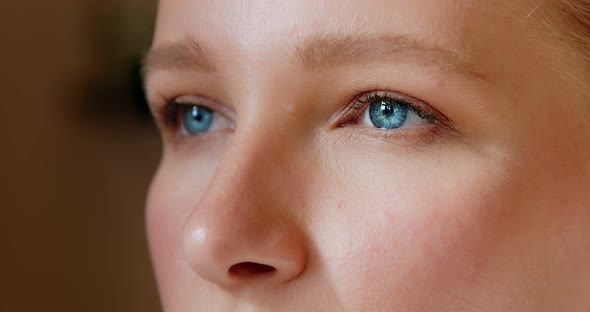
(235, 258)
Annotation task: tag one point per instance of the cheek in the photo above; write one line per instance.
(403, 235)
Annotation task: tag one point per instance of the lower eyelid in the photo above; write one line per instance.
(406, 137)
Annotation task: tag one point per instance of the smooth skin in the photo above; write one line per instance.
(287, 205)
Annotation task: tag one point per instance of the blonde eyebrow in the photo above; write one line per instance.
(186, 54)
(327, 51)
(321, 52)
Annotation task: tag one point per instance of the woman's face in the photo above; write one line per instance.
(400, 155)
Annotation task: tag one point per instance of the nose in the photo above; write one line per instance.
(244, 230)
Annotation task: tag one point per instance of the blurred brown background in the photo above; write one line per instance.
(77, 153)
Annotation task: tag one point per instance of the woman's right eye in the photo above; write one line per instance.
(192, 119)
(195, 119)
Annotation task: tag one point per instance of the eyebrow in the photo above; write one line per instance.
(322, 52)
(181, 55)
(327, 51)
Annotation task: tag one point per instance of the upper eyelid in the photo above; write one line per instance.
(414, 104)
(205, 101)
(376, 95)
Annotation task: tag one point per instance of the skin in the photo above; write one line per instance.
(491, 215)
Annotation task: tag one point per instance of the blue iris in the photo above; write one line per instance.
(197, 119)
(388, 114)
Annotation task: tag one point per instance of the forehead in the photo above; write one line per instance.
(250, 35)
(256, 23)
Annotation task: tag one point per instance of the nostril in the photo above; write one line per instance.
(250, 269)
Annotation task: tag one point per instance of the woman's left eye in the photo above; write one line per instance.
(394, 115)
(391, 111)
(387, 113)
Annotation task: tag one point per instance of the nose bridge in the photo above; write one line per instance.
(252, 175)
(261, 159)
(244, 217)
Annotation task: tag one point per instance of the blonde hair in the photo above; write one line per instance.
(575, 24)
(567, 22)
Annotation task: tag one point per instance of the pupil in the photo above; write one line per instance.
(197, 114)
(387, 108)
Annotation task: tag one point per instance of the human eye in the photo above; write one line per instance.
(189, 116)
(394, 114)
